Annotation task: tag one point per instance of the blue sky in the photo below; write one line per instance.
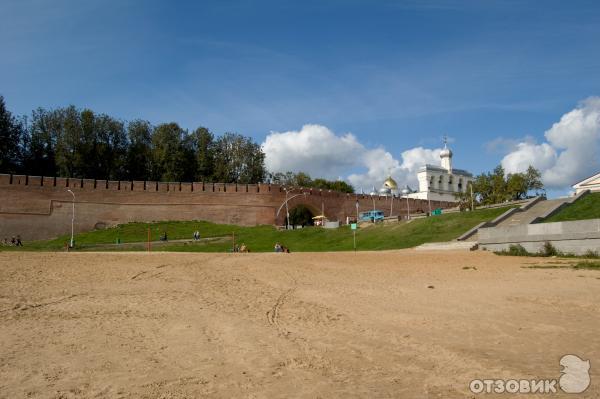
(396, 74)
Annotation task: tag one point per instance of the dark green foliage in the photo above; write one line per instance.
(496, 187)
(336, 185)
(168, 153)
(40, 157)
(591, 254)
(139, 152)
(533, 179)
(11, 139)
(587, 265)
(517, 250)
(78, 143)
(301, 216)
(549, 250)
(302, 179)
(203, 144)
(237, 159)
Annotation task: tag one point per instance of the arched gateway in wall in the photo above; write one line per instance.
(40, 207)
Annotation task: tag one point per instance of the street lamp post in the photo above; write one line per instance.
(285, 203)
(72, 219)
(472, 203)
(405, 191)
(287, 210)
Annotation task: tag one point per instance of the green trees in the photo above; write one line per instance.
(238, 159)
(11, 135)
(202, 141)
(302, 179)
(497, 187)
(40, 157)
(301, 215)
(72, 142)
(138, 162)
(79, 143)
(168, 154)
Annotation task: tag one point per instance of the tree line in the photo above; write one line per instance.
(79, 143)
(72, 142)
(497, 187)
(302, 179)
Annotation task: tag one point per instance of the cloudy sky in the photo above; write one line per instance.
(352, 89)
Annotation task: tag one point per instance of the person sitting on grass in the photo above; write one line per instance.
(163, 237)
(278, 247)
(19, 243)
(244, 248)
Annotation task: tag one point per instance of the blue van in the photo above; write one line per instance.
(371, 216)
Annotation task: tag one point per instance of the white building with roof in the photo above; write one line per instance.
(592, 183)
(441, 183)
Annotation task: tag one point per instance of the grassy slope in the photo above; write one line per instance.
(587, 207)
(262, 238)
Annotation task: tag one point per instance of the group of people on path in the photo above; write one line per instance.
(241, 248)
(14, 242)
(281, 248)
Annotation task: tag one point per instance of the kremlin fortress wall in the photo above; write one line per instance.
(41, 207)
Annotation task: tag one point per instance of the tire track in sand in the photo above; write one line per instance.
(273, 313)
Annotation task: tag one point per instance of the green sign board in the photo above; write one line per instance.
(353, 226)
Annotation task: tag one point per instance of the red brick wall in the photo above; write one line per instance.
(37, 211)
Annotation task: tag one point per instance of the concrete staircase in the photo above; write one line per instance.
(448, 246)
(537, 212)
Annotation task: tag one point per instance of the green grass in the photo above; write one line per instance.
(548, 250)
(587, 207)
(575, 266)
(263, 238)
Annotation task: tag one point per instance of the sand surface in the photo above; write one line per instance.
(333, 325)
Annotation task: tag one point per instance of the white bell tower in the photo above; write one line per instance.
(446, 156)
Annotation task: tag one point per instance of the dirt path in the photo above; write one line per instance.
(328, 325)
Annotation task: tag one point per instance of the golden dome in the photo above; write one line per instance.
(390, 183)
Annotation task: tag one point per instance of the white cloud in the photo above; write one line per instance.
(540, 156)
(572, 150)
(502, 145)
(318, 151)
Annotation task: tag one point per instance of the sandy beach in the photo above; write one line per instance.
(328, 325)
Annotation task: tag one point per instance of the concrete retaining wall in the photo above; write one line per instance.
(469, 235)
(576, 237)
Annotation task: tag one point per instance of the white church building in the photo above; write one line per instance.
(592, 183)
(441, 183)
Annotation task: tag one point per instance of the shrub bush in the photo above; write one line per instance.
(514, 250)
(518, 250)
(591, 254)
(549, 250)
